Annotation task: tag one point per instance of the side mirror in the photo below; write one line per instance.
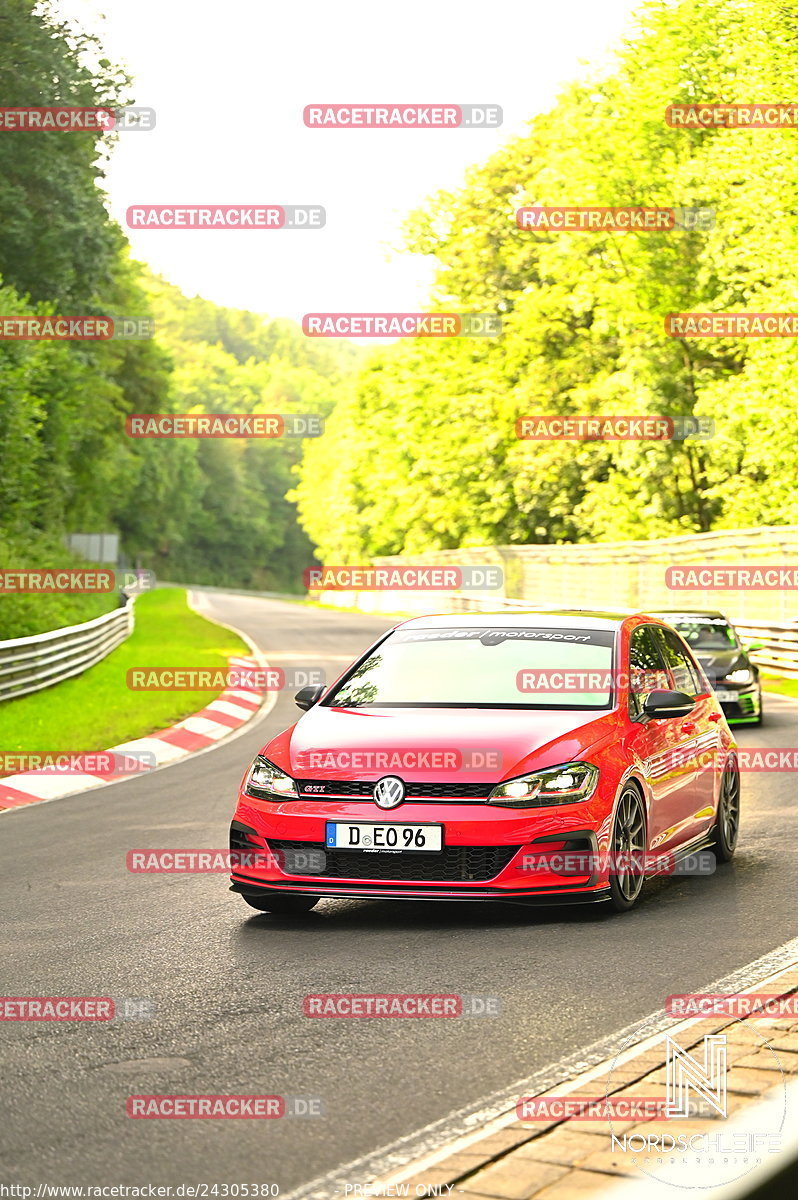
(661, 705)
(306, 697)
(752, 647)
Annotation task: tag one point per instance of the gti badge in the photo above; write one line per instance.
(389, 791)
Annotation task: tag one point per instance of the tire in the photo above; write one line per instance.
(628, 836)
(727, 825)
(284, 905)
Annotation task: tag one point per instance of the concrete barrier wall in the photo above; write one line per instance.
(607, 575)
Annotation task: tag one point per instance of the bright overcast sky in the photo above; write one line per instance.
(229, 82)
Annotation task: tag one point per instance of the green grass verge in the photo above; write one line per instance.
(777, 683)
(97, 710)
(23, 614)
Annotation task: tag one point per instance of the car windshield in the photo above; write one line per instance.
(466, 667)
(704, 633)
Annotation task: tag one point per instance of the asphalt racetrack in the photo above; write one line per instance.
(228, 984)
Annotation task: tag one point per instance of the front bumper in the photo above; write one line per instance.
(746, 707)
(487, 854)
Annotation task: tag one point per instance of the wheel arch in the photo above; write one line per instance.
(633, 780)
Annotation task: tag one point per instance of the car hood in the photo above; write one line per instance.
(333, 743)
(718, 663)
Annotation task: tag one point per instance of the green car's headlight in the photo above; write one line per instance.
(741, 675)
(266, 780)
(565, 784)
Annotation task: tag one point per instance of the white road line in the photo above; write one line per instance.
(48, 786)
(424, 1147)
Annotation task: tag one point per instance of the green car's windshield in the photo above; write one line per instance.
(704, 633)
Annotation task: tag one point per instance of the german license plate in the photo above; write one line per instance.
(725, 696)
(392, 837)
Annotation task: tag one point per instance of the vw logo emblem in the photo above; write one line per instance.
(389, 791)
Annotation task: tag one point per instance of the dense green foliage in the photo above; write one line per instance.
(584, 319)
(420, 450)
(230, 521)
(212, 512)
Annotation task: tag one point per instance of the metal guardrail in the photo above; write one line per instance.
(31, 663)
(778, 651)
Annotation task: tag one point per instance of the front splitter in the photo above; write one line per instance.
(342, 891)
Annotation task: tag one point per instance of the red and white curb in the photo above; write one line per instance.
(228, 712)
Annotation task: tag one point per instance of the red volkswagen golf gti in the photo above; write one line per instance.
(530, 756)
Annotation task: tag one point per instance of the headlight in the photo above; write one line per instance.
(566, 784)
(264, 779)
(743, 675)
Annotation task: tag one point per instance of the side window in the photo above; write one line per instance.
(646, 671)
(701, 677)
(677, 659)
(700, 682)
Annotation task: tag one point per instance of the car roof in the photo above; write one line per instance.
(554, 618)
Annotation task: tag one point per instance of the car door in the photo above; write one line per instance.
(698, 733)
(656, 744)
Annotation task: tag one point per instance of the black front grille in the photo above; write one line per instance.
(435, 791)
(455, 864)
(463, 791)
